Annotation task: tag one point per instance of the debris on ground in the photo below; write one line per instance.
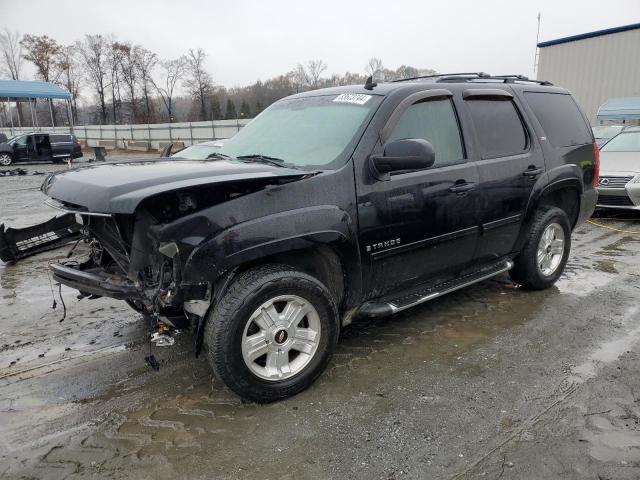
(17, 243)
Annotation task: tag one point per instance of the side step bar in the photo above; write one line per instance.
(390, 305)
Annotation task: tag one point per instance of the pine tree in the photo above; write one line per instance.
(245, 109)
(258, 107)
(216, 112)
(230, 113)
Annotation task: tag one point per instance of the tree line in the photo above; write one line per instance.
(124, 83)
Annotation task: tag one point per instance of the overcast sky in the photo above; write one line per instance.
(251, 40)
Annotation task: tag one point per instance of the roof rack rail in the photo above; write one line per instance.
(475, 76)
(439, 75)
(520, 78)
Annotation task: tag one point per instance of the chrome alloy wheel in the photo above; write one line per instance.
(5, 159)
(550, 249)
(281, 337)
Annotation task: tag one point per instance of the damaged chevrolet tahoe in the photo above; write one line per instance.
(331, 204)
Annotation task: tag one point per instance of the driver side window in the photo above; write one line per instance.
(22, 141)
(436, 122)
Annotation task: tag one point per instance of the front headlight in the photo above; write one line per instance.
(636, 180)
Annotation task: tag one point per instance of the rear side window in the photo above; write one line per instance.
(498, 128)
(434, 121)
(59, 138)
(560, 117)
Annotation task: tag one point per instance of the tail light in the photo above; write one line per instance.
(596, 164)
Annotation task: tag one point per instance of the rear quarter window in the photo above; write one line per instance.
(560, 117)
(59, 138)
(498, 128)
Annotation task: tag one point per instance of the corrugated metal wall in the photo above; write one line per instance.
(594, 69)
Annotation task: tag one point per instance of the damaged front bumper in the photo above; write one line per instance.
(17, 243)
(96, 281)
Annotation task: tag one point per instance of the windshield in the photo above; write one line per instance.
(308, 132)
(625, 142)
(604, 131)
(15, 137)
(197, 152)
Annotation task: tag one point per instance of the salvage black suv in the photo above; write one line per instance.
(335, 203)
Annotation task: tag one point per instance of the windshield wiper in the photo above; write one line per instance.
(276, 162)
(219, 156)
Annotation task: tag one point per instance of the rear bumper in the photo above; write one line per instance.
(587, 205)
(95, 281)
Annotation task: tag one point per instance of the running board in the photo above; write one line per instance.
(391, 305)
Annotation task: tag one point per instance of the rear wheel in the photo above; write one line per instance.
(272, 333)
(6, 159)
(545, 251)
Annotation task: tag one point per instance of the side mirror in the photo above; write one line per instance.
(401, 155)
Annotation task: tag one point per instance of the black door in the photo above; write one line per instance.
(23, 148)
(61, 146)
(43, 146)
(509, 163)
(431, 214)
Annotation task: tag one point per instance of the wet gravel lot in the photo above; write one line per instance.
(488, 382)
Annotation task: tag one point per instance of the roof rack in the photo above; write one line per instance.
(475, 77)
(439, 75)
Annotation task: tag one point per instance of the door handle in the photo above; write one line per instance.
(532, 172)
(462, 188)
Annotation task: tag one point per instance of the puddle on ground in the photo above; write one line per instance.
(606, 266)
(609, 351)
(583, 282)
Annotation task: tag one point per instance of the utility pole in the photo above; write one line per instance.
(535, 56)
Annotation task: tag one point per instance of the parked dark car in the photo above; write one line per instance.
(29, 147)
(334, 203)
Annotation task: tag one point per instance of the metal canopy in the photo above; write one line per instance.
(18, 89)
(626, 108)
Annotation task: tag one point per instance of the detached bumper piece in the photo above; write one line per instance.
(17, 243)
(95, 281)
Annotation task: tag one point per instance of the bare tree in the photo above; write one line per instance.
(114, 58)
(375, 68)
(314, 70)
(11, 50)
(198, 82)
(94, 54)
(42, 51)
(70, 76)
(145, 63)
(129, 74)
(172, 73)
(298, 78)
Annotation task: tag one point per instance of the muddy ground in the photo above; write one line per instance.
(489, 382)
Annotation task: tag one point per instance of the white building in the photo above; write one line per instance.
(594, 66)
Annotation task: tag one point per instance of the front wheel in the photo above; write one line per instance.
(6, 159)
(545, 251)
(272, 333)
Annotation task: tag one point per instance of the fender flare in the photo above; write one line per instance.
(278, 233)
(534, 201)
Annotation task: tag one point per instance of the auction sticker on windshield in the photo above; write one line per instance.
(357, 98)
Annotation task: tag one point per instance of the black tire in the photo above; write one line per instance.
(526, 270)
(226, 324)
(7, 157)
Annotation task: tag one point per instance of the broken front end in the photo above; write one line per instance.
(126, 260)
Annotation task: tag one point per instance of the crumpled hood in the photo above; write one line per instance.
(119, 187)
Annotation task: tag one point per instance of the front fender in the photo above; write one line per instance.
(282, 232)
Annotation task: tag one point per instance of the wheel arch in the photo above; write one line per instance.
(564, 194)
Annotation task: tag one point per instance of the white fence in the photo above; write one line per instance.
(153, 136)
